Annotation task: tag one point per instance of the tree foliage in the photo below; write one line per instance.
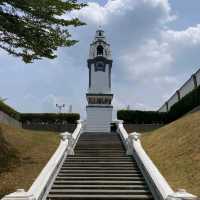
(34, 29)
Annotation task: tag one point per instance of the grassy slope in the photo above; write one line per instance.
(175, 149)
(23, 154)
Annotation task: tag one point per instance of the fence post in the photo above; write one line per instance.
(178, 94)
(194, 80)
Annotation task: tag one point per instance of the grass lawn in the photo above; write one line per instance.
(23, 154)
(175, 149)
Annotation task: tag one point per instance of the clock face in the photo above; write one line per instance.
(100, 66)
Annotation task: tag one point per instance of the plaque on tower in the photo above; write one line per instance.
(99, 96)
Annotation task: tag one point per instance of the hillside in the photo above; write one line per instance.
(175, 149)
(23, 154)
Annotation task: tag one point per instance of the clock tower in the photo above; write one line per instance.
(99, 96)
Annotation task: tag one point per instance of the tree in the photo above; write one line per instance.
(34, 29)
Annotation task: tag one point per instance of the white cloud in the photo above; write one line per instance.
(188, 37)
(151, 59)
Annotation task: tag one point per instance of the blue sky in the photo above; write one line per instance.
(155, 45)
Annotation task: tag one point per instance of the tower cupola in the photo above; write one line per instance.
(99, 46)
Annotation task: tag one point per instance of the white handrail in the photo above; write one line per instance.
(160, 182)
(76, 134)
(157, 183)
(122, 132)
(43, 181)
(37, 189)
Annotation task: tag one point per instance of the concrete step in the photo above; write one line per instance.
(99, 191)
(99, 158)
(121, 187)
(100, 162)
(131, 178)
(100, 182)
(99, 147)
(98, 168)
(112, 150)
(63, 174)
(100, 171)
(104, 197)
(96, 154)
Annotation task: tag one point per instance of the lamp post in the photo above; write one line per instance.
(60, 107)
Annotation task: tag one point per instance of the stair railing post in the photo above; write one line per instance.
(68, 136)
(132, 136)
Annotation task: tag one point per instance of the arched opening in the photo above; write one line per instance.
(99, 50)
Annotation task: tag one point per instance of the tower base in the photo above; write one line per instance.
(99, 118)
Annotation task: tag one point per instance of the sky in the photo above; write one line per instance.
(155, 47)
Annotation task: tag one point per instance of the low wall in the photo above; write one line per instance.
(50, 127)
(192, 83)
(141, 128)
(6, 119)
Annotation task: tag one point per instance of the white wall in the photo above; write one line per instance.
(98, 119)
(187, 87)
(198, 77)
(99, 81)
(172, 100)
(6, 119)
(163, 108)
(184, 90)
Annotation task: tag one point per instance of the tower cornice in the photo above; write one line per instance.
(99, 58)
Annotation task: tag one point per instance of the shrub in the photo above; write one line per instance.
(50, 118)
(142, 117)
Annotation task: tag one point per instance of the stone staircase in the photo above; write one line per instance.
(100, 169)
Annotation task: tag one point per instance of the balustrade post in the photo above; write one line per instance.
(195, 80)
(68, 136)
(132, 136)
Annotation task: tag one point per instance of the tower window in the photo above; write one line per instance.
(99, 50)
(100, 34)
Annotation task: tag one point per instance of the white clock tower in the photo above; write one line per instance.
(99, 96)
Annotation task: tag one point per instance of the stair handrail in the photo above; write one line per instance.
(121, 131)
(76, 134)
(158, 185)
(43, 181)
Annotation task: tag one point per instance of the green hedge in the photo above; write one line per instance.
(50, 117)
(39, 117)
(9, 111)
(142, 117)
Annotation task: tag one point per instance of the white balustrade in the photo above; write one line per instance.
(45, 178)
(158, 185)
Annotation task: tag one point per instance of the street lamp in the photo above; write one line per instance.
(60, 107)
